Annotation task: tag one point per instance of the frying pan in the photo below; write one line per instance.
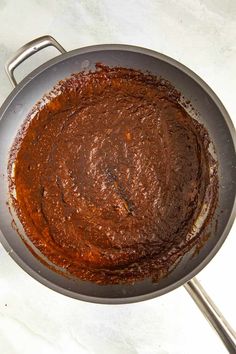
(210, 112)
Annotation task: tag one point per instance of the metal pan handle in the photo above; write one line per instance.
(27, 51)
(212, 314)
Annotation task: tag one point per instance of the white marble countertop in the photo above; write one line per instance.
(34, 319)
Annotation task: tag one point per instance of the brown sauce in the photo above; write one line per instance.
(111, 175)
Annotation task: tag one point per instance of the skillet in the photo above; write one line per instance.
(210, 112)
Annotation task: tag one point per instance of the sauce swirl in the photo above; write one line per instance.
(111, 176)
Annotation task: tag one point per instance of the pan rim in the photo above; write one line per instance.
(228, 121)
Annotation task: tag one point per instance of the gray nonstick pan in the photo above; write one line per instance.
(210, 112)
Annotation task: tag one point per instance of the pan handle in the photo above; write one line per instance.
(26, 51)
(212, 314)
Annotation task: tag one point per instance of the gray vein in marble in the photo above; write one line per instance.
(27, 328)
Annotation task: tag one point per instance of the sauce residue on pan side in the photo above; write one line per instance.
(113, 179)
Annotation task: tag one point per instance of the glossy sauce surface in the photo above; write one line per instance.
(111, 176)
